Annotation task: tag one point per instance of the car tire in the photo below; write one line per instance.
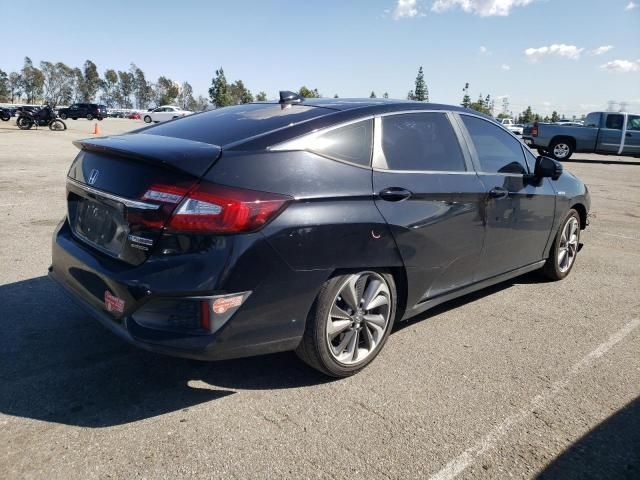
(63, 116)
(74, 118)
(89, 116)
(543, 152)
(561, 150)
(564, 250)
(147, 119)
(342, 335)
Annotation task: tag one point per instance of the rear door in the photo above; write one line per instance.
(518, 213)
(426, 189)
(632, 136)
(610, 135)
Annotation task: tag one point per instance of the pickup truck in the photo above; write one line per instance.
(508, 124)
(606, 133)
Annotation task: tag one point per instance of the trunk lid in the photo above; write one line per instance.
(111, 202)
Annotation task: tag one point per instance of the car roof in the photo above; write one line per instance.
(370, 105)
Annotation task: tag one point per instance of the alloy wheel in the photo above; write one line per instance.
(359, 318)
(568, 248)
(561, 150)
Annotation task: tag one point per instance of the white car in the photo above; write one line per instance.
(508, 124)
(164, 113)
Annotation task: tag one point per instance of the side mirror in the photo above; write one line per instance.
(548, 168)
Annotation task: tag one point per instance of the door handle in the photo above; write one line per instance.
(498, 192)
(395, 194)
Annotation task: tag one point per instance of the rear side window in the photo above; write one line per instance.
(498, 151)
(614, 122)
(351, 143)
(422, 142)
(231, 124)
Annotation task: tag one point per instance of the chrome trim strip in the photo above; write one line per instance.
(127, 202)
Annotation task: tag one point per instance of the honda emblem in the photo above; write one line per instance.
(93, 176)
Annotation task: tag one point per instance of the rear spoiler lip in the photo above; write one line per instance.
(187, 156)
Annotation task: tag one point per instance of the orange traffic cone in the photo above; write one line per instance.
(96, 129)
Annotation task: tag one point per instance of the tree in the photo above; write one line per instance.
(32, 80)
(502, 115)
(90, 82)
(555, 117)
(219, 90)
(307, 93)
(142, 91)
(421, 91)
(336, 96)
(109, 86)
(58, 84)
(385, 95)
(185, 97)
(15, 83)
(261, 97)
(168, 90)
(201, 103)
(239, 93)
(4, 86)
(373, 94)
(466, 99)
(125, 89)
(411, 95)
(527, 116)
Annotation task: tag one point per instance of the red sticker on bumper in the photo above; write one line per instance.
(113, 303)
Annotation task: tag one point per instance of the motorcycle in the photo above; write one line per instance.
(43, 117)
(5, 114)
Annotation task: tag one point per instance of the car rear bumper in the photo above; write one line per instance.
(271, 319)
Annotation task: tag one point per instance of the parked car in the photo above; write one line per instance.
(512, 127)
(606, 133)
(311, 225)
(84, 110)
(164, 113)
(134, 116)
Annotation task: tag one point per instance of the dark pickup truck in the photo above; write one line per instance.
(607, 133)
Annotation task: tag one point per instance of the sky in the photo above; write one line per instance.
(572, 56)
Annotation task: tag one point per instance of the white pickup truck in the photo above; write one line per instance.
(508, 124)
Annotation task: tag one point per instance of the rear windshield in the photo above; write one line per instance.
(231, 124)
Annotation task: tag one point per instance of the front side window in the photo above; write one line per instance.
(633, 123)
(422, 142)
(498, 151)
(614, 122)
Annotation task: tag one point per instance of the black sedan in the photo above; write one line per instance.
(307, 225)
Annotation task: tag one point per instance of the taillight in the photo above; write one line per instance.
(210, 208)
(534, 129)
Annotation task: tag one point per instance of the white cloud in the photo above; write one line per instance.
(630, 6)
(601, 50)
(485, 51)
(405, 9)
(558, 50)
(505, 67)
(622, 66)
(484, 8)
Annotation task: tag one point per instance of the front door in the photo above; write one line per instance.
(518, 213)
(428, 193)
(632, 136)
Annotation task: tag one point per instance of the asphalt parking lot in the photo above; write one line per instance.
(525, 379)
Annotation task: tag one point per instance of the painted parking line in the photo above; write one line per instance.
(489, 441)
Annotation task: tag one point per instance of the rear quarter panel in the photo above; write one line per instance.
(332, 223)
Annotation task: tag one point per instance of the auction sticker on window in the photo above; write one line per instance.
(113, 303)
